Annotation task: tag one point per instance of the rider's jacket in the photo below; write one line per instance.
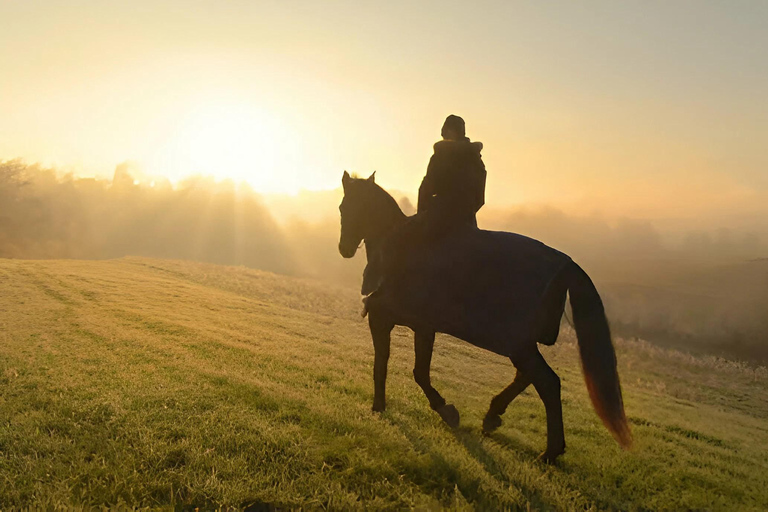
(453, 189)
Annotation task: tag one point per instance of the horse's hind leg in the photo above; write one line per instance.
(424, 343)
(547, 385)
(501, 401)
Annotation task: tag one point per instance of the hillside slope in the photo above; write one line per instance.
(152, 382)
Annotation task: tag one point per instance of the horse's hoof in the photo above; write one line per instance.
(491, 422)
(450, 415)
(549, 457)
(378, 407)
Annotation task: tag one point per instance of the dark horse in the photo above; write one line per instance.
(500, 291)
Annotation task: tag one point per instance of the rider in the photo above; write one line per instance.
(450, 195)
(453, 189)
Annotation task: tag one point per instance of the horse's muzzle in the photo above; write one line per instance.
(347, 251)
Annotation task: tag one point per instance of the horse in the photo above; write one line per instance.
(497, 290)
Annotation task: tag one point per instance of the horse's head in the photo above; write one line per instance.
(356, 212)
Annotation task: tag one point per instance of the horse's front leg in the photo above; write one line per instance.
(381, 329)
(424, 343)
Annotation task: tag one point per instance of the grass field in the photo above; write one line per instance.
(159, 383)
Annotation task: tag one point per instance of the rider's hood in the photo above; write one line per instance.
(457, 145)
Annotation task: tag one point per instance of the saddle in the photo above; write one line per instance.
(407, 250)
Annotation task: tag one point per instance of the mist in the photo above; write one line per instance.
(45, 215)
(700, 288)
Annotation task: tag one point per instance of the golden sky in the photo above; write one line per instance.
(639, 108)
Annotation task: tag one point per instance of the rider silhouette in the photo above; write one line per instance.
(451, 193)
(453, 189)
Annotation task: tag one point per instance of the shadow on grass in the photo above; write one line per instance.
(513, 444)
(445, 475)
(473, 443)
(246, 506)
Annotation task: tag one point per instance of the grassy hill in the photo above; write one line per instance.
(158, 383)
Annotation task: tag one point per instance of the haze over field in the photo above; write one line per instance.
(700, 291)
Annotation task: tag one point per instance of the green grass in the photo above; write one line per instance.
(160, 383)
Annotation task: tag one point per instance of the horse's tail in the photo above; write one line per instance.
(598, 358)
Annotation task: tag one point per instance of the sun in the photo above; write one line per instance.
(234, 141)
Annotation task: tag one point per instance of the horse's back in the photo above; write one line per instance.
(486, 287)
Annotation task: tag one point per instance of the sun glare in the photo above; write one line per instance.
(232, 141)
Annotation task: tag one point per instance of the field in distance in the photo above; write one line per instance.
(156, 383)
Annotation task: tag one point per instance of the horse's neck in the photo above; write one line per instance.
(390, 219)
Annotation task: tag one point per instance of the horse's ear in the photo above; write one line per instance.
(345, 179)
(372, 177)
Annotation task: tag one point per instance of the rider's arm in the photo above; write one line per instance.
(480, 201)
(426, 191)
(427, 188)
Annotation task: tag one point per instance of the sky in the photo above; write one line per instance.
(647, 109)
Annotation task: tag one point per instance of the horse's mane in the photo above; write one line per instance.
(381, 196)
(386, 199)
